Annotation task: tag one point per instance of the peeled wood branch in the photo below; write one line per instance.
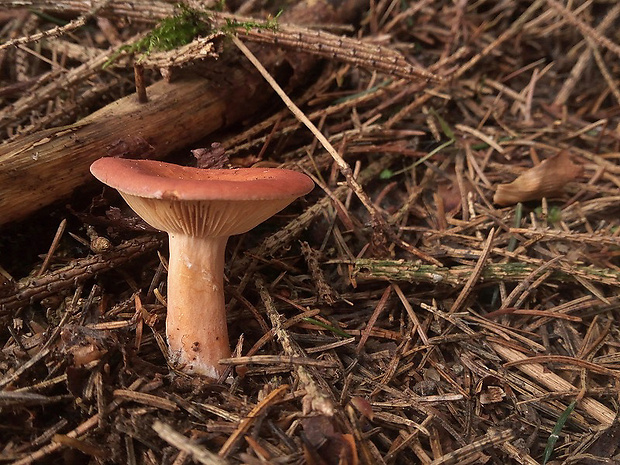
(555, 383)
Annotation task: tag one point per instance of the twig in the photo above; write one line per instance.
(554, 382)
(245, 424)
(68, 80)
(593, 367)
(278, 359)
(138, 73)
(31, 290)
(600, 62)
(57, 31)
(45, 350)
(83, 428)
(411, 313)
(514, 29)
(475, 275)
(525, 283)
(554, 235)
(317, 398)
(59, 232)
(407, 271)
(491, 439)
(198, 453)
(582, 63)
(357, 52)
(146, 399)
(344, 167)
(373, 318)
(586, 30)
(342, 164)
(325, 292)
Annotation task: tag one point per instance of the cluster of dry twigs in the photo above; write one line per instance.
(395, 315)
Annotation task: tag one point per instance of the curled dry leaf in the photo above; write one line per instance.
(84, 345)
(492, 395)
(83, 355)
(489, 390)
(543, 180)
(363, 406)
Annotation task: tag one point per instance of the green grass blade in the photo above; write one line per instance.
(555, 434)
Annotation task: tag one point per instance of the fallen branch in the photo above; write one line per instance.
(554, 382)
(401, 270)
(29, 290)
(362, 53)
(198, 453)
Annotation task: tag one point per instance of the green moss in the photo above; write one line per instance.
(554, 214)
(175, 31)
(232, 25)
(180, 29)
(172, 32)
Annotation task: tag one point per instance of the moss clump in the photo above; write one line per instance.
(232, 25)
(180, 29)
(172, 32)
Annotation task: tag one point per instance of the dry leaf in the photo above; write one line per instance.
(543, 180)
(83, 355)
(324, 445)
(363, 406)
(492, 395)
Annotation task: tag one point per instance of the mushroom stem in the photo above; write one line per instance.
(196, 323)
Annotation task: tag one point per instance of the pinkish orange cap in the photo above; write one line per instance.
(160, 180)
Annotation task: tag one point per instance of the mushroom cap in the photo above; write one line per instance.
(201, 202)
(159, 180)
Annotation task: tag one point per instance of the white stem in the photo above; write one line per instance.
(196, 322)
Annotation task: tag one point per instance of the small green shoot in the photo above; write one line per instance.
(445, 127)
(449, 133)
(424, 158)
(47, 17)
(512, 244)
(554, 215)
(555, 434)
(484, 145)
(331, 328)
(433, 152)
(386, 174)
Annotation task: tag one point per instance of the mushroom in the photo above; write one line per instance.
(199, 209)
